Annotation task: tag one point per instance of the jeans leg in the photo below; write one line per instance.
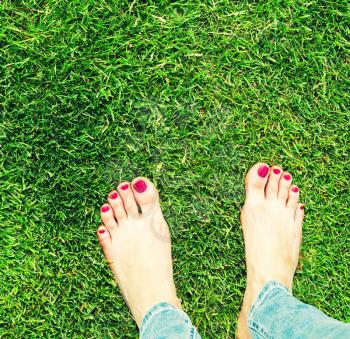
(166, 321)
(277, 314)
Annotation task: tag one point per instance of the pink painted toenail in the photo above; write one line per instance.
(295, 189)
(262, 171)
(140, 186)
(276, 171)
(124, 187)
(105, 209)
(287, 177)
(302, 207)
(114, 195)
(101, 231)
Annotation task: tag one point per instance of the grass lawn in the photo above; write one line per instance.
(190, 94)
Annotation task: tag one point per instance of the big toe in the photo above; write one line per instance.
(146, 194)
(256, 180)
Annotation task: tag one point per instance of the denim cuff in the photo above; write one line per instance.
(268, 288)
(162, 316)
(277, 314)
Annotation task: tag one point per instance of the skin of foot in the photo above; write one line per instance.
(136, 243)
(272, 228)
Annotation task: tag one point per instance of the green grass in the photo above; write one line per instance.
(190, 94)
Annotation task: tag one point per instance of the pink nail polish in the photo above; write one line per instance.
(262, 171)
(124, 187)
(101, 231)
(287, 177)
(295, 189)
(140, 186)
(114, 195)
(302, 207)
(276, 171)
(105, 208)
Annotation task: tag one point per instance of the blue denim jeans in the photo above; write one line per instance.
(166, 321)
(275, 314)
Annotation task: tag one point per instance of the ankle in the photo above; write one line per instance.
(242, 325)
(256, 282)
(254, 286)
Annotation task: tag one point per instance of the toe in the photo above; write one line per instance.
(145, 193)
(299, 213)
(272, 183)
(255, 181)
(284, 186)
(105, 241)
(293, 197)
(117, 205)
(107, 217)
(299, 217)
(129, 201)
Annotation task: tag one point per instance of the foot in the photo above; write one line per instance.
(135, 239)
(272, 226)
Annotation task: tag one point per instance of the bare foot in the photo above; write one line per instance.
(136, 242)
(272, 226)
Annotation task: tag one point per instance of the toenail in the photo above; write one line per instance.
(302, 207)
(101, 231)
(276, 171)
(140, 186)
(105, 208)
(295, 189)
(262, 171)
(287, 176)
(114, 195)
(124, 187)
